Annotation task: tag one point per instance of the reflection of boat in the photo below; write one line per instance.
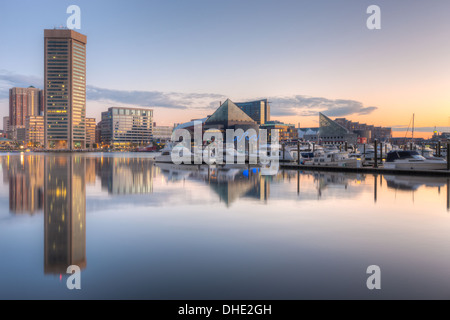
(412, 160)
(413, 183)
(176, 172)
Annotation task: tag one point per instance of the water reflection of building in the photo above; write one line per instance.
(126, 175)
(91, 170)
(64, 213)
(25, 175)
(229, 184)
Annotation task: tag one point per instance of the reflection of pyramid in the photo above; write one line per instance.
(229, 185)
(241, 186)
(228, 115)
(230, 191)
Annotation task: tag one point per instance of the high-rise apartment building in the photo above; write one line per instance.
(65, 94)
(23, 102)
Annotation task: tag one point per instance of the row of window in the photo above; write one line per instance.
(332, 137)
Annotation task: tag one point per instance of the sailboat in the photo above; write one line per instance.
(411, 159)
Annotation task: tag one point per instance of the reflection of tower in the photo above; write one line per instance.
(64, 213)
(26, 183)
(264, 188)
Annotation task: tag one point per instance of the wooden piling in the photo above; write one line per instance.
(448, 156)
(375, 163)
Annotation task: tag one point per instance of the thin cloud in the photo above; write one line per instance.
(171, 100)
(306, 106)
(297, 105)
(9, 80)
(402, 128)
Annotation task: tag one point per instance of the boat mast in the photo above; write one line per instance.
(413, 129)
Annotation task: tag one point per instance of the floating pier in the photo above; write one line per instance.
(425, 173)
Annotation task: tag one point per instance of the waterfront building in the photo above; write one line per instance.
(65, 94)
(162, 133)
(287, 132)
(308, 134)
(363, 130)
(91, 127)
(123, 127)
(230, 116)
(34, 131)
(330, 132)
(6, 128)
(258, 110)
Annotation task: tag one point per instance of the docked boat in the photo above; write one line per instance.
(412, 160)
(166, 153)
(195, 153)
(334, 159)
(149, 148)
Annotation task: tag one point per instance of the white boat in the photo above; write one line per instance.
(412, 160)
(166, 153)
(334, 159)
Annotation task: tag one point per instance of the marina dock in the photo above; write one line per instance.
(425, 173)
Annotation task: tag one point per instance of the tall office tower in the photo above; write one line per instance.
(23, 102)
(65, 89)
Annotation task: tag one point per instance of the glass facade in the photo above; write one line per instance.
(65, 95)
(35, 130)
(259, 110)
(331, 132)
(125, 126)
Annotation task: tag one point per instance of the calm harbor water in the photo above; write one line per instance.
(146, 231)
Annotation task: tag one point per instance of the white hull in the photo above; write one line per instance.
(417, 165)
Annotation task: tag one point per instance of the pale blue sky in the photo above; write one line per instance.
(189, 54)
